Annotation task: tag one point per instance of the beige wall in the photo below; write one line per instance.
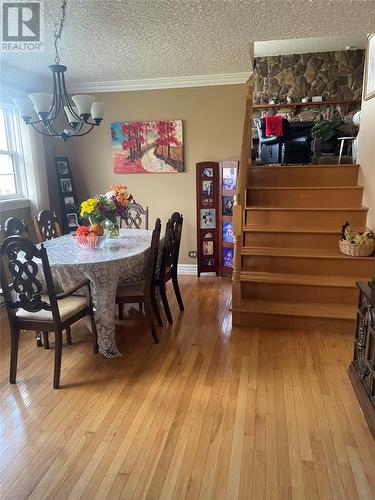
(212, 119)
(366, 157)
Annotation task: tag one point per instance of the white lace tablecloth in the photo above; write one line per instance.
(120, 261)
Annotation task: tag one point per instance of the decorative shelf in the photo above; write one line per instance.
(306, 104)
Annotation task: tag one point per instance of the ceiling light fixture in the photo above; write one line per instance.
(48, 107)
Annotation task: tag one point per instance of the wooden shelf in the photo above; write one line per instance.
(306, 104)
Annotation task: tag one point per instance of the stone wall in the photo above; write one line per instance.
(334, 75)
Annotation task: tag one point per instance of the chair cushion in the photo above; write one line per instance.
(127, 292)
(67, 307)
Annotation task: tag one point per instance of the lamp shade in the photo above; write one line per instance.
(97, 110)
(25, 107)
(83, 103)
(42, 102)
(71, 118)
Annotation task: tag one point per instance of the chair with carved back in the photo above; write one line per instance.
(168, 267)
(46, 226)
(142, 293)
(30, 308)
(16, 227)
(135, 216)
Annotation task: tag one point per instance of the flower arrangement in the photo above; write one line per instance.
(106, 206)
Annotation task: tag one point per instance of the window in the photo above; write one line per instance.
(12, 179)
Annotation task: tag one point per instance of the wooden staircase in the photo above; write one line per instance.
(288, 270)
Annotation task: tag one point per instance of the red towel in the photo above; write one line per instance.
(274, 125)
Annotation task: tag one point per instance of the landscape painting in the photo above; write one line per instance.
(147, 147)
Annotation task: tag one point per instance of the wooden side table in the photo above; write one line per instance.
(362, 367)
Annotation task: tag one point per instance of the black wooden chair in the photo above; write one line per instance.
(142, 293)
(29, 309)
(135, 217)
(46, 226)
(168, 267)
(16, 227)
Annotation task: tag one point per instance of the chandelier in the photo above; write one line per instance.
(79, 118)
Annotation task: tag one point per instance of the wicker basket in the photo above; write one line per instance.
(356, 250)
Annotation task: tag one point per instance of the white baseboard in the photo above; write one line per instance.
(190, 269)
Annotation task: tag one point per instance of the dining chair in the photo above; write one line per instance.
(29, 308)
(16, 227)
(168, 267)
(46, 226)
(142, 293)
(132, 218)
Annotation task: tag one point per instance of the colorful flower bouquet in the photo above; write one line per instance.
(105, 208)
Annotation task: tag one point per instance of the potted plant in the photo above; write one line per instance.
(325, 131)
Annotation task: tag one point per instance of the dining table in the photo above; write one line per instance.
(120, 261)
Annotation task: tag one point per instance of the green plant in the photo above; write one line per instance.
(324, 130)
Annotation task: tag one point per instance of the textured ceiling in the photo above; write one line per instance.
(136, 39)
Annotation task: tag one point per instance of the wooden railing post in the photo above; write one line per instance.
(240, 197)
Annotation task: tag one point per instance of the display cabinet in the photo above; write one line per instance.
(208, 227)
(227, 190)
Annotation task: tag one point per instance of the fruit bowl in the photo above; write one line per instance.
(90, 241)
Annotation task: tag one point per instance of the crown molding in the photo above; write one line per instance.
(161, 83)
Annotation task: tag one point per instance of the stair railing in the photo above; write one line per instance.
(240, 196)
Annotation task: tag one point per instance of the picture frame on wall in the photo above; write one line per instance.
(369, 85)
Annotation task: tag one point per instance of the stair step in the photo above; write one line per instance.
(300, 279)
(296, 261)
(312, 316)
(310, 175)
(285, 237)
(324, 218)
(311, 310)
(302, 253)
(305, 197)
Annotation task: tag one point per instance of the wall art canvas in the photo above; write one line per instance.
(147, 147)
(370, 68)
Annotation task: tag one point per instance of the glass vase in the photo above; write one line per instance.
(112, 229)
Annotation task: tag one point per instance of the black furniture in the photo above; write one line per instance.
(16, 227)
(294, 146)
(29, 309)
(362, 368)
(46, 226)
(132, 218)
(168, 267)
(142, 293)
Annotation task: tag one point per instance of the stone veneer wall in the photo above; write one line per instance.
(301, 75)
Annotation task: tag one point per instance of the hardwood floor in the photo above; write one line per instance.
(208, 413)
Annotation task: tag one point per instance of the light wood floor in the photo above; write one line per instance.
(208, 413)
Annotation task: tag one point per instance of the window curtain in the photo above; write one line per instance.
(35, 168)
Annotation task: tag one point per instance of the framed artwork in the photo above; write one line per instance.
(207, 202)
(369, 86)
(228, 205)
(207, 188)
(227, 232)
(228, 256)
(66, 185)
(150, 147)
(207, 172)
(72, 220)
(69, 203)
(208, 247)
(62, 167)
(208, 218)
(229, 178)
